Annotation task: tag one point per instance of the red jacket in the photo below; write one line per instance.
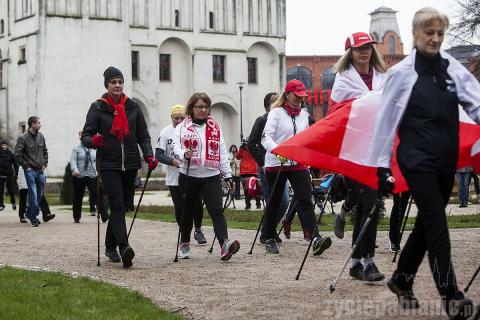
(248, 165)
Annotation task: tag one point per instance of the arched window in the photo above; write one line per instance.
(328, 78)
(2, 26)
(301, 73)
(391, 45)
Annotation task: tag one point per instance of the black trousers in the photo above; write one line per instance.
(431, 193)
(79, 185)
(248, 199)
(302, 187)
(400, 204)
(9, 182)
(178, 203)
(365, 198)
(22, 204)
(117, 185)
(210, 189)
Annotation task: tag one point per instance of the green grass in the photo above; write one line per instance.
(48, 295)
(241, 219)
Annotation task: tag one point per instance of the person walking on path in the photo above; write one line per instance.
(200, 146)
(285, 119)
(235, 166)
(8, 169)
(248, 168)
(31, 154)
(420, 104)
(360, 71)
(83, 164)
(165, 154)
(116, 127)
(463, 182)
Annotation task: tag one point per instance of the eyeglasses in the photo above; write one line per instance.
(114, 82)
(205, 107)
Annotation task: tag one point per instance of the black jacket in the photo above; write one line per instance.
(115, 155)
(31, 151)
(254, 142)
(7, 163)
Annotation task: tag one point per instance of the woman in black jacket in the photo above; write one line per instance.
(116, 127)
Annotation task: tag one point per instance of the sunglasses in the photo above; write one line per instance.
(114, 82)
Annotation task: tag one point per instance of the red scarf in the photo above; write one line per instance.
(190, 139)
(291, 110)
(120, 127)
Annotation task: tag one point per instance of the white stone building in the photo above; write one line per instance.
(53, 54)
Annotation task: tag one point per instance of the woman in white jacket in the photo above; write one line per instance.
(360, 71)
(285, 119)
(420, 103)
(200, 147)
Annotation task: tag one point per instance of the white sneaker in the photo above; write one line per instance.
(184, 250)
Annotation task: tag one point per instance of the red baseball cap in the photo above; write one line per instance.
(358, 39)
(297, 87)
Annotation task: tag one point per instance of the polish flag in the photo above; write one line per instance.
(340, 142)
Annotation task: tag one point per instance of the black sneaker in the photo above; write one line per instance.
(406, 298)
(320, 244)
(199, 237)
(76, 220)
(372, 274)
(104, 216)
(278, 239)
(35, 223)
(112, 255)
(263, 239)
(357, 271)
(14, 206)
(394, 247)
(127, 256)
(271, 246)
(339, 226)
(23, 220)
(48, 218)
(2, 208)
(459, 307)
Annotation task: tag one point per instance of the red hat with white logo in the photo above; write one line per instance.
(297, 87)
(358, 39)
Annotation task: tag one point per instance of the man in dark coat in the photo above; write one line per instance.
(8, 168)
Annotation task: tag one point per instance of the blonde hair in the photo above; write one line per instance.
(425, 17)
(281, 97)
(376, 61)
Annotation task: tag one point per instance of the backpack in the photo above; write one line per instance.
(254, 188)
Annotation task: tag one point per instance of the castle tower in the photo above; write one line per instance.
(384, 29)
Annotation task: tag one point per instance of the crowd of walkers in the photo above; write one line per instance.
(419, 103)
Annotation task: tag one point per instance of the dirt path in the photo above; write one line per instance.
(247, 287)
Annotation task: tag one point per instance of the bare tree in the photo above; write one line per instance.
(467, 28)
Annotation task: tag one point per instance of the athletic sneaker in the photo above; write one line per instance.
(199, 237)
(371, 273)
(357, 271)
(394, 247)
(320, 244)
(229, 248)
(48, 218)
(35, 223)
(112, 255)
(127, 256)
(271, 246)
(184, 250)
(23, 220)
(14, 206)
(459, 307)
(339, 226)
(263, 239)
(406, 298)
(287, 228)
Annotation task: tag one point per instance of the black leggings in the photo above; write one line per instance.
(9, 182)
(118, 185)
(431, 193)
(79, 185)
(302, 187)
(178, 202)
(210, 189)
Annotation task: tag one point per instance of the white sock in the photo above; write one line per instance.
(367, 261)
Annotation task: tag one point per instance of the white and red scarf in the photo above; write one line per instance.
(190, 139)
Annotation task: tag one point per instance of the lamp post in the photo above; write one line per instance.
(240, 86)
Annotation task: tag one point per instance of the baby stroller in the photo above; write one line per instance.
(337, 193)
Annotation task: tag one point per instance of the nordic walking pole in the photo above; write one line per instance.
(316, 228)
(357, 241)
(183, 210)
(265, 209)
(471, 280)
(99, 203)
(139, 201)
(215, 237)
(403, 225)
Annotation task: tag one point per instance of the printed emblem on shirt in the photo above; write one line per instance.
(451, 86)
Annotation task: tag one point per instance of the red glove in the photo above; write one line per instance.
(97, 141)
(152, 163)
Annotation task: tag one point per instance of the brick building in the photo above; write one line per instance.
(315, 71)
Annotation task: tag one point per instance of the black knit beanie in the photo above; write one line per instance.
(111, 73)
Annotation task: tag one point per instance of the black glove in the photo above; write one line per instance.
(229, 181)
(384, 185)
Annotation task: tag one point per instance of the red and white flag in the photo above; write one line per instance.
(340, 142)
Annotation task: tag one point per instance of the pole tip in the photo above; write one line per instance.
(332, 288)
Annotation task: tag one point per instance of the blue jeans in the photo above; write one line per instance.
(266, 194)
(463, 181)
(36, 185)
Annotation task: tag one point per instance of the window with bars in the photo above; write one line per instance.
(218, 68)
(165, 67)
(135, 65)
(252, 70)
